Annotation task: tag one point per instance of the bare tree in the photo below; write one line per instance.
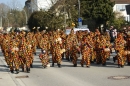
(14, 4)
(3, 14)
(3, 9)
(53, 2)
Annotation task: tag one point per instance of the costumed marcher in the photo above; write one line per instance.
(44, 58)
(23, 53)
(127, 47)
(57, 50)
(74, 48)
(67, 48)
(105, 52)
(119, 47)
(5, 43)
(29, 55)
(98, 49)
(14, 56)
(86, 55)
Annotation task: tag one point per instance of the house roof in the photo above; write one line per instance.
(121, 1)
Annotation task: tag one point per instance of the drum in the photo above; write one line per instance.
(62, 51)
(127, 52)
(128, 33)
(107, 50)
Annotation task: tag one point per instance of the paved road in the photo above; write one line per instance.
(67, 75)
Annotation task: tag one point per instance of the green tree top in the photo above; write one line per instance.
(99, 10)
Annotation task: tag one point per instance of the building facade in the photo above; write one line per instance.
(37, 5)
(120, 6)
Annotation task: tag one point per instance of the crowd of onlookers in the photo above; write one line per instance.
(113, 32)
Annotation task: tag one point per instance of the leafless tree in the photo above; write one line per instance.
(14, 4)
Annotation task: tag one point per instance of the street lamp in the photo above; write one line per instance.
(6, 18)
(1, 17)
(8, 21)
(25, 15)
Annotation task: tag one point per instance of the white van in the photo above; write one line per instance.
(76, 29)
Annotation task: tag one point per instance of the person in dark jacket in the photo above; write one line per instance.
(111, 34)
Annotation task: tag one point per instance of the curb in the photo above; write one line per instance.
(13, 78)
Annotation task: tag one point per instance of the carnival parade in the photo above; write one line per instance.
(64, 42)
(19, 48)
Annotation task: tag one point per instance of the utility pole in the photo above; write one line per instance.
(79, 8)
(8, 21)
(1, 18)
(25, 15)
(0, 21)
(79, 19)
(64, 14)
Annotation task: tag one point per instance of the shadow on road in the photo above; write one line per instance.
(4, 68)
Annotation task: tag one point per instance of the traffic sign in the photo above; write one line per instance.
(79, 20)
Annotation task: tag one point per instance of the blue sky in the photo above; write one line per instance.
(7, 2)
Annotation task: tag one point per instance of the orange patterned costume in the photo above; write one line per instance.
(44, 58)
(13, 56)
(119, 47)
(85, 55)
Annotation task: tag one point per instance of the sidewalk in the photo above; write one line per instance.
(6, 78)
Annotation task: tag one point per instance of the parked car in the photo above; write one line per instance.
(76, 29)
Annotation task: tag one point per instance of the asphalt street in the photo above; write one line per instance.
(67, 75)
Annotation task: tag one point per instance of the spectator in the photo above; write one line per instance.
(111, 34)
(114, 34)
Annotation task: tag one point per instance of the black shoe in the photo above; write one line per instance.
(104, 64)
(114, 59)
(71, 59)
(82, 65)
(52, 64)
(12, 71)
(59, 65)
(44, 66)
(119, 66)
(88, 66)
(27, 69)
(122, 66)
(92, 61)
(17, 71)
(31, 66)
(128, 63)
(108, 58)
(75, 65)
(98, 63)
(22, 69)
